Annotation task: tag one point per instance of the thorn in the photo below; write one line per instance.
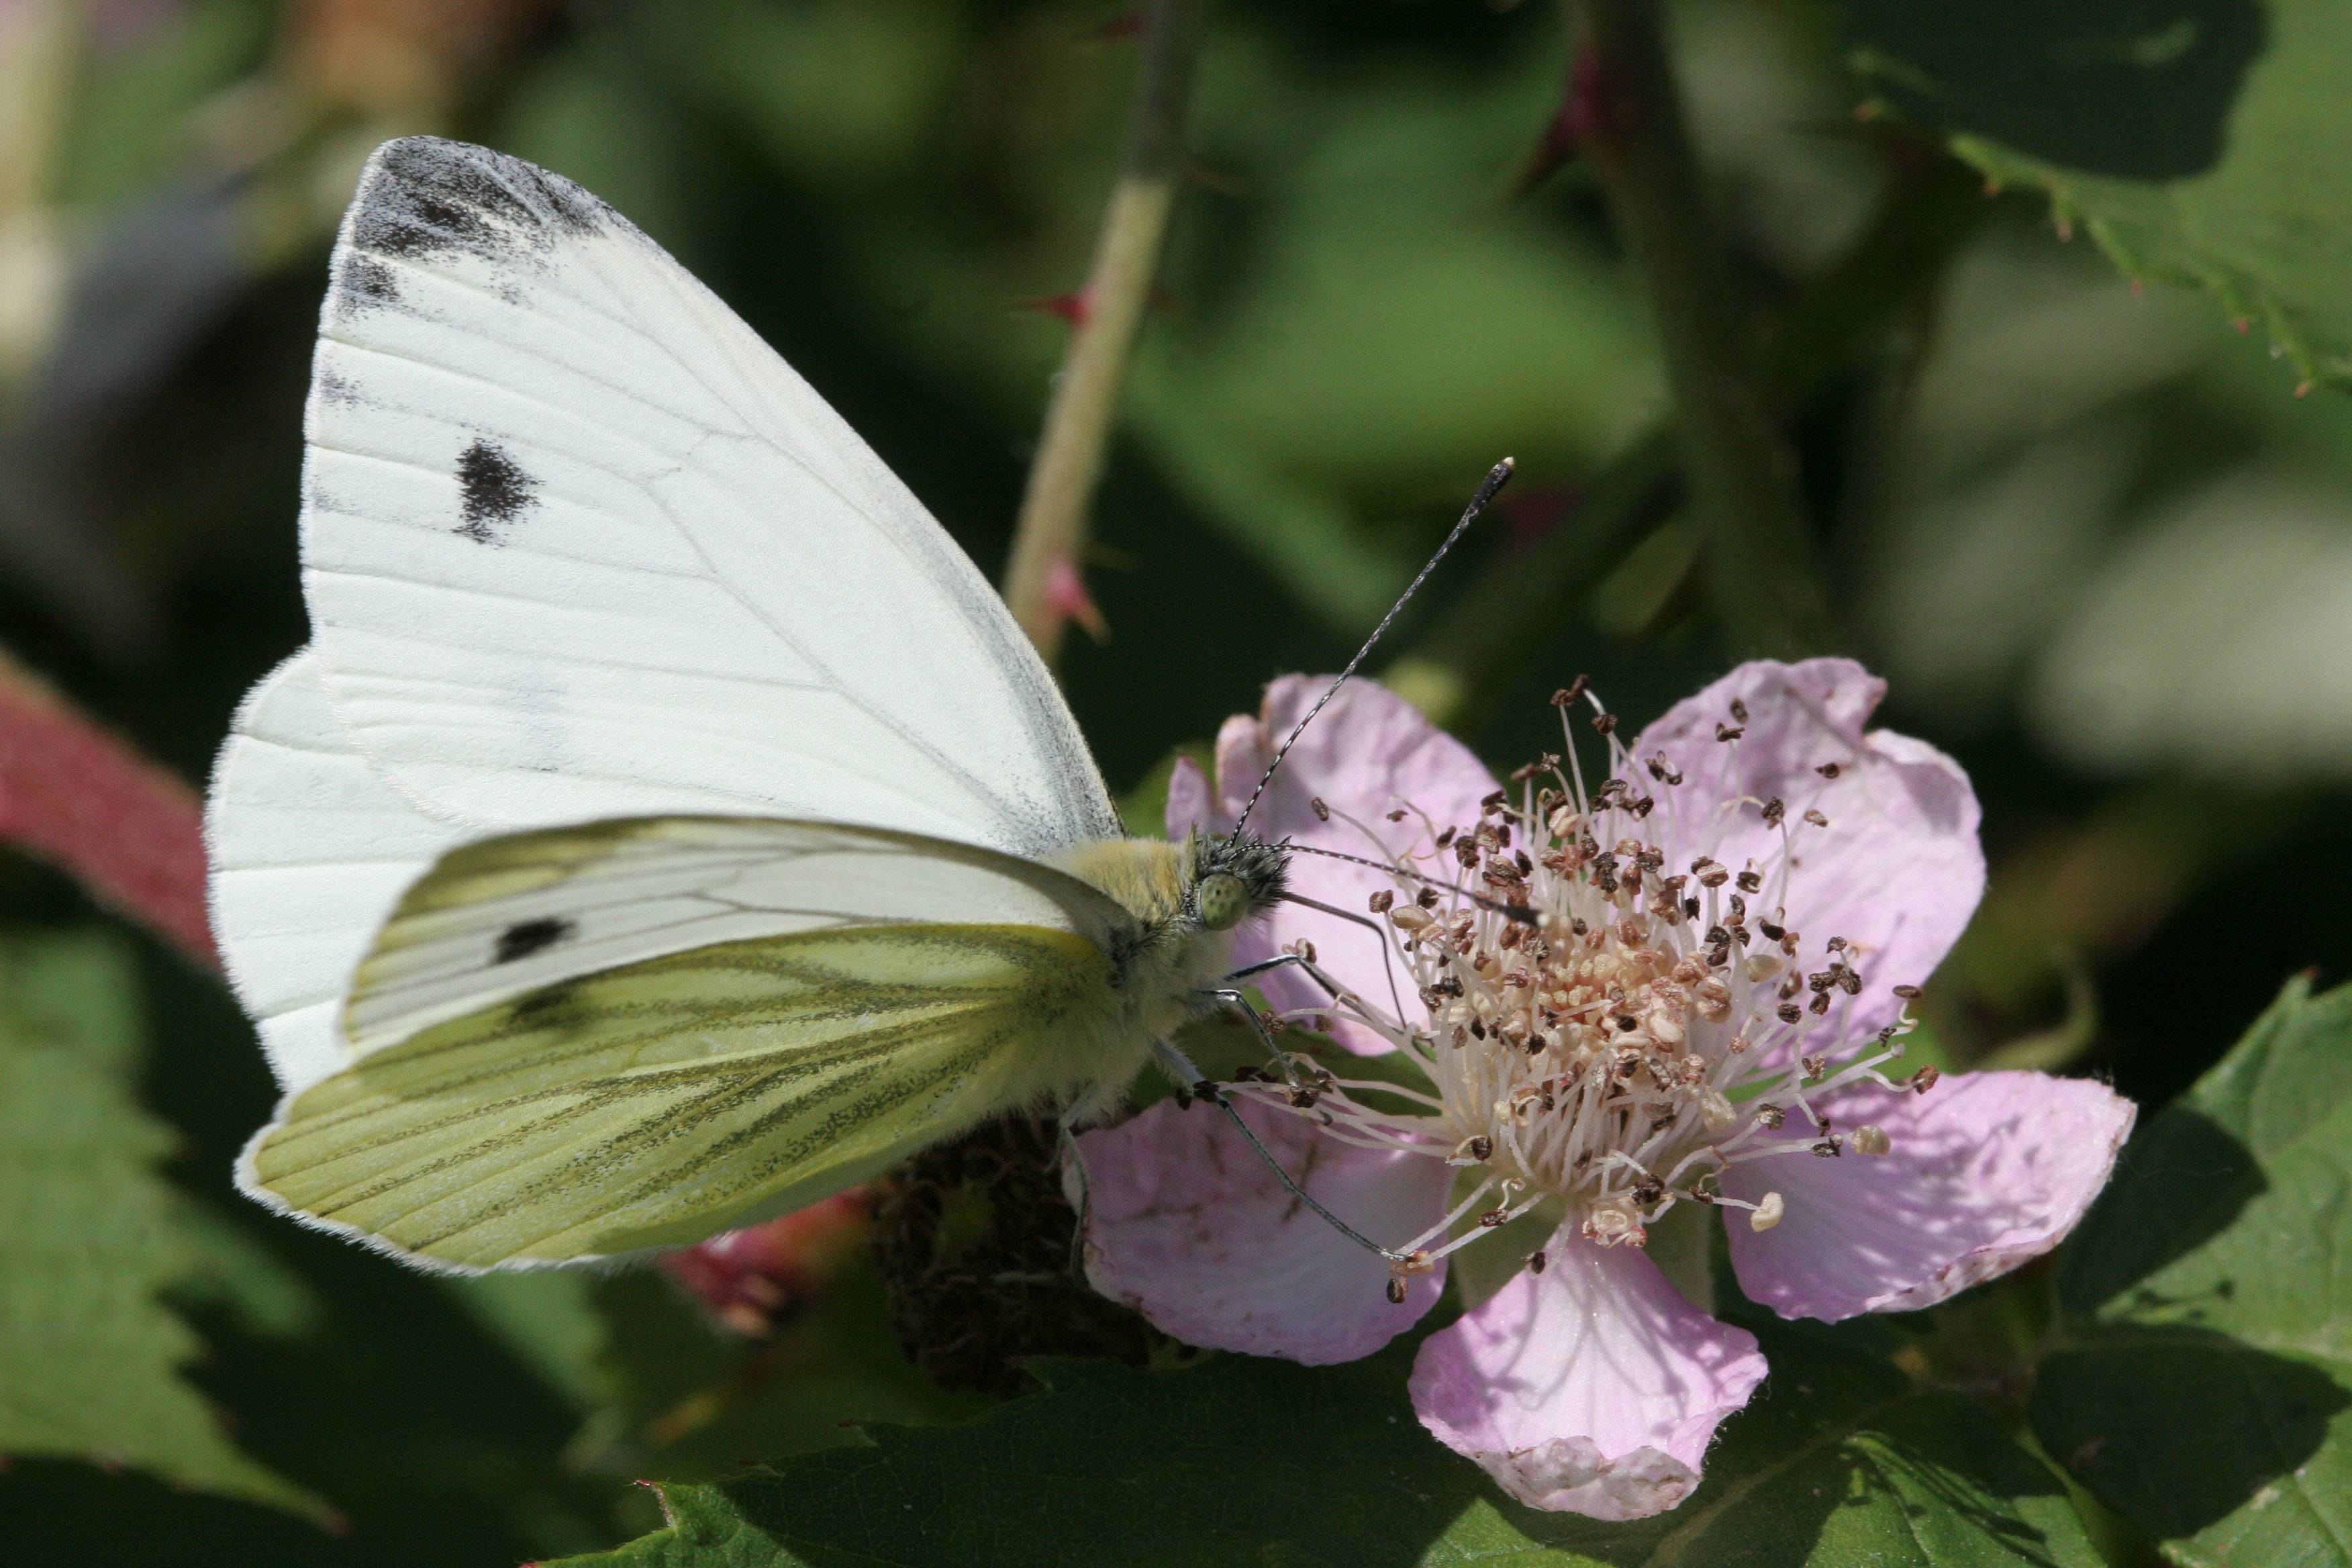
(1072, 307)
(1532, 514)
(1127, 24)
(2065, 227)
(1552, 152)
(1865, 112)
(1991, 187)
(2303, 389)
(2243, 325)
(1066, 599)
(2138, 287)
(1076, 307)
(1581, 116)
(1209, 177)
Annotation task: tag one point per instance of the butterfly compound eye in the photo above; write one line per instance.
(1221, 901)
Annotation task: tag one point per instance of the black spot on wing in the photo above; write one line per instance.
(492, 491)
(424, 197)
(524, 937)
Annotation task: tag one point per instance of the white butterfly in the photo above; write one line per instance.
(666, 825)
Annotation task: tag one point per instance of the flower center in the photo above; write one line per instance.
(1605, 1018)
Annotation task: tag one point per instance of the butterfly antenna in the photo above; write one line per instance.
(1495, 477)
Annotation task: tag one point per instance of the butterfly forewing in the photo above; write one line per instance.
(509, 915)
(661, 1100)
(577, 544)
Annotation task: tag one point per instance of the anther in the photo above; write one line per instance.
(1829, 769)
(1924, 1079)
(1739, 711)
(1768, 1212)
(1536, 1262)
(1383, 901)
(1871, 1139)
(1322, 812)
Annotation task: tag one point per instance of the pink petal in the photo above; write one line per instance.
(1987, 1170)
(1185, 1223)
(1189, 800)
(1367, 753)
(1898, 870)
(1593, 1387)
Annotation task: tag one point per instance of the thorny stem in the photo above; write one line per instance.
(1052, 529)
(1521, 591)
(1742, 475)
(87, 802)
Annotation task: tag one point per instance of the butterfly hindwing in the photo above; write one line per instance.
(577, 1041)
(310, 850)
(662, 1100)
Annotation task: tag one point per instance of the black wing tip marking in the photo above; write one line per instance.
(523, 937)
(364, 282)
(423, 197)
(492, 491)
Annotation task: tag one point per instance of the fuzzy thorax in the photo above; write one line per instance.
(1167, 964)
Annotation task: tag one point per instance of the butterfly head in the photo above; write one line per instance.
(1235, 877)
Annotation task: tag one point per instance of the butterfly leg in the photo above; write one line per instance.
(1076, 1189)
(1188, 1079)
(1306, 966)
(1280, 1057)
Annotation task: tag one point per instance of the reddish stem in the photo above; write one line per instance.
(83, 799)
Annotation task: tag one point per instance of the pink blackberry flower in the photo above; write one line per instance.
(1685, 984)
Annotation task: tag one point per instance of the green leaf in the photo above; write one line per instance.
(690, 1399)
(2186, 135)
(1243, 1460)
(2205, 1389)
(90, 1355)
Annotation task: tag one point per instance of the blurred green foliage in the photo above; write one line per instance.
(2101, 550)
